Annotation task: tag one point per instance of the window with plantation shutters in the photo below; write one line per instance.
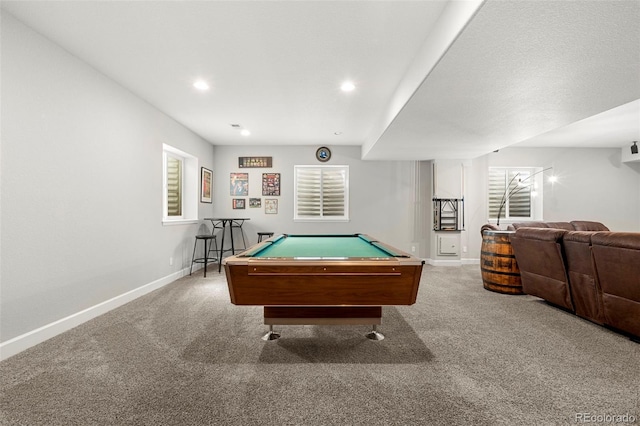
(179, 186)
(321, 193)
(174, 186)
(510, 193)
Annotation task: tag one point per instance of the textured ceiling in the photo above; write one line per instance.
(522, 69)
(435, 79)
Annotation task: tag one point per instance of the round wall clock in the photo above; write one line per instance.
(323, 154)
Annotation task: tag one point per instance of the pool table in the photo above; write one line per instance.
(323, 279)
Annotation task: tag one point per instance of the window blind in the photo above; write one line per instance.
(518, 204)
(174, 186)
(321, 192)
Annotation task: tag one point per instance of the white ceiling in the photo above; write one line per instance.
(434, 79)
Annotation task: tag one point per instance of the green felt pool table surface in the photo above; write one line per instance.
(323, 246)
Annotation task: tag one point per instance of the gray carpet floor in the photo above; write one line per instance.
(184, 355)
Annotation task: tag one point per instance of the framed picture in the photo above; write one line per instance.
(238, 203)
(206, 183)
(271, 184)
(239, 184)
(244, 162)
(271, 206)
(255, 203)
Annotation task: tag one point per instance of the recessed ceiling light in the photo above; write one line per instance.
(347, 86)
(245, 132)
(201, 85)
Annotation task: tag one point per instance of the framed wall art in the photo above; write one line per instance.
(239, 184)
(271, 206)
(271, 184)
(206, 183)
(255, 203)
(238, 203)
(244, 162)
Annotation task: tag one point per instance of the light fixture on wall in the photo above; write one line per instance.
(634, 147)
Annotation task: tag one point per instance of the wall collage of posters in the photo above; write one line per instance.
(239, 185)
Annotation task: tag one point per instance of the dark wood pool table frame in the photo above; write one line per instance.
(298, 291)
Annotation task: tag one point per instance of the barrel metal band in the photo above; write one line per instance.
(497, 254)
(513, 274)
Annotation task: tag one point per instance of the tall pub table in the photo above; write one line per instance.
(222, 223)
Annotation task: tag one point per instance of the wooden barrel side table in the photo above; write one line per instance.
(500, 272)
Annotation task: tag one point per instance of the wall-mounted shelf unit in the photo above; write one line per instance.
(448, 214)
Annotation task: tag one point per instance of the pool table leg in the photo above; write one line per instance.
(271, 335)
(374, 334)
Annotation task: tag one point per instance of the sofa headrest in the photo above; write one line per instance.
(557, 225)
(585, 225)
(561, 225)
(629, 240)
(541, 234)
(517, 225)
(579, 236)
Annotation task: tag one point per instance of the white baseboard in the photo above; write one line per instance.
(440, 262)
(25, 341)
(456, 262)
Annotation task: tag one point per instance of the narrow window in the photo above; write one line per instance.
(179, 186)
(174, 185)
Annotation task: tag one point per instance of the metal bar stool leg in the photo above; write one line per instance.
(193, 256)
(206, 257)
(215, 241)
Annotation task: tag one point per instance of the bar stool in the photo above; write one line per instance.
(264, 234)
(237, 223)
(208, 241)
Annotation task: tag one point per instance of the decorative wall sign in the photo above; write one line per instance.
(323, 154)
(271, 206)
(239, 184)
(238, 203)
(255, 203)
(271, 184)
(246, 162)
(206, 183)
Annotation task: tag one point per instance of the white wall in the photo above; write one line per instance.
(592, 184)
(81, 175)
(382, 193)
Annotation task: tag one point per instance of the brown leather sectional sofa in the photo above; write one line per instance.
(584, 268)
